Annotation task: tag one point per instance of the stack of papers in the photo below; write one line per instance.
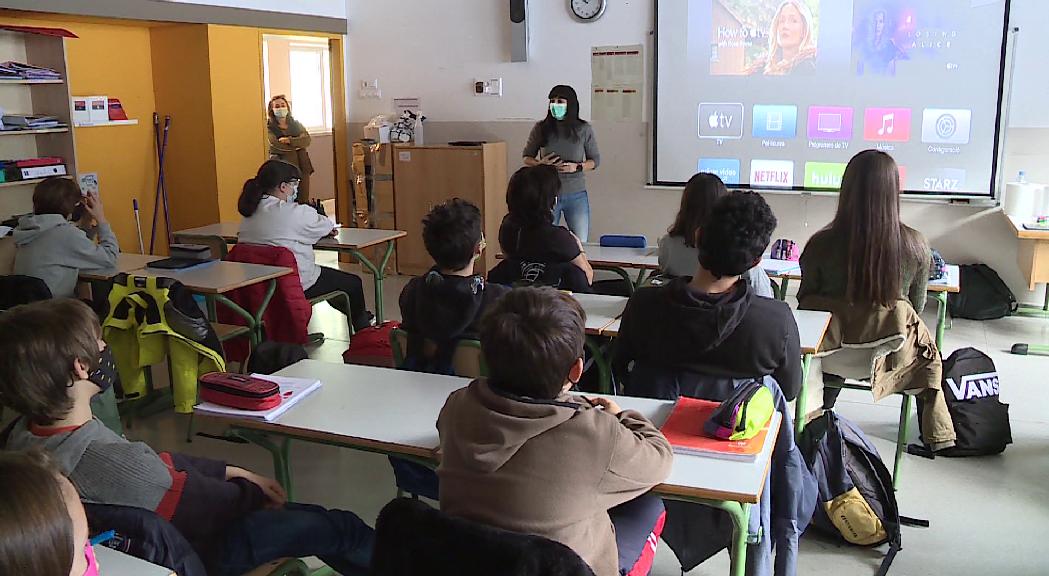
(12, 69)
(292, 390)
(29, 122)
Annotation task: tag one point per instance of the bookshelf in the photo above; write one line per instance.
(19, 96)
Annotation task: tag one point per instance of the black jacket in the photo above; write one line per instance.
(736, 334)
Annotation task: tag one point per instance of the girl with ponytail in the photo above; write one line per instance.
(272, 217)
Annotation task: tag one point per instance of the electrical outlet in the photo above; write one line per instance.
(491, 87)
(370, 89)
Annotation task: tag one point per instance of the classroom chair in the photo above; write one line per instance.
(411, 538)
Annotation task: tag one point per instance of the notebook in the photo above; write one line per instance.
(684, 430)
(292, 390)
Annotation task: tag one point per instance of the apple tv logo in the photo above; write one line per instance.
(721, 121)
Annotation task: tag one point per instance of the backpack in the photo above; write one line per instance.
(981, 421)
(983, 296)
(784, 249)
(270, 357)
(856, 500)
(371, 346)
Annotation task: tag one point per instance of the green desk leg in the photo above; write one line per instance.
(941, 317)
(800, 409)
(254, 320)
(641, 275)
(784, 282)
(624, 275)
(901, 437)
(740, 515)
(281, 454)
(377, 275)
(1035, 312)
(604, 371)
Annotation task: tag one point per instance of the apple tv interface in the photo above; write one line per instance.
(782, 93)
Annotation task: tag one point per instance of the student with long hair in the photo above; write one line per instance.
(289, 141)
(273, 218)
(43, 527)
(527, 232)
(866, 255)
(566, 141)
(678, 252)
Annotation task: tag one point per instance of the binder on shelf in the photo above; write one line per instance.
(43, 161)
(43, 171)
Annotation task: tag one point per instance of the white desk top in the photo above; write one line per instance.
(812, 326)
(125, 263)
(218, 277)
(347, 238)
(601, 310)
(113, 563)
(643, 258)
(396, 412)
(779, 269)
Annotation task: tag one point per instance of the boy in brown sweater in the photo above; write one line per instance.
(521, 454)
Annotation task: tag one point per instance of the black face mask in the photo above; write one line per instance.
(105, 376)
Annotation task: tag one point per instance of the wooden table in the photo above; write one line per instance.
(395, 412)
(1033, 258)
(125, 263)
(350, 240)
(113, 563)
(785, 271)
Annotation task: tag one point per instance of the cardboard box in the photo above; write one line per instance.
(382, 197)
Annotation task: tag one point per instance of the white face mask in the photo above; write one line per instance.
(294, 191)
(280, 112)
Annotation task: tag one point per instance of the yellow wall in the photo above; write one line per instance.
(114, 60)
(237, 109)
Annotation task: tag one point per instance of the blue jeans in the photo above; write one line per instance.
(576, 208)
(340, 539)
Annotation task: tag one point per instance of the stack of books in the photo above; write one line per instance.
(19, 70)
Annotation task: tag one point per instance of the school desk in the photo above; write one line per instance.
(215, 279)
(601, 311)
(395, 412)
(113, 563)
(1033, 258)
(351, 240)
(125, 263)
(951, 283)
(615, 259)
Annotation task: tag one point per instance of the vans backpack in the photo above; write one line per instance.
(983, 295)
(856, 500)
(981, 421)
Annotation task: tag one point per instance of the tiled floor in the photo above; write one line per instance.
(987, 514)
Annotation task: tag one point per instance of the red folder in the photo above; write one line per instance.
(44, 161)
(684, 430)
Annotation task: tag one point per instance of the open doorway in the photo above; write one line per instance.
(299, 68)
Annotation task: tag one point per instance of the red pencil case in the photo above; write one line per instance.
(239, 391)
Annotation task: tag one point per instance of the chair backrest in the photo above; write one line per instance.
(147, 536)
(412, 538)
(7, 255)
(560, 275)
(16, 290)
(217, 244)
(468, 361)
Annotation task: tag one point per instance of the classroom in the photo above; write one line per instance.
(538, 287)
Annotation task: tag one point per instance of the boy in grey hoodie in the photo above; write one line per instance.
(53, 245)
(235, 519)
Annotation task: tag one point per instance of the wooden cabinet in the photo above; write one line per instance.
(428, 175)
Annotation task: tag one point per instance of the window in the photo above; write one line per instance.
(311, 86)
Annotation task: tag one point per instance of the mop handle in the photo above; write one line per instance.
(138, 226)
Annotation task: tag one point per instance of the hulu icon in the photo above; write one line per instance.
(824, 175)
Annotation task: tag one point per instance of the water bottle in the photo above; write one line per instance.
(1021, 177)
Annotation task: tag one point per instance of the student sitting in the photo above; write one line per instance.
(235, 519)
(871, 271)
(273, 218)
(677, 250)
(56, 243)
(446, 304)
(528, 238)
(712, 322)
(43, 527)
(519, 453)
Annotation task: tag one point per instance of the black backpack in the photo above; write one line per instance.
(983, 295)
(981, 421)
(856, 500)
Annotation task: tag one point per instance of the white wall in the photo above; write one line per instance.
(434, 50)
(1030, 82)
(325, 8)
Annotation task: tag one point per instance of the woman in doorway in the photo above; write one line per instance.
(289, 142)
(567, 142)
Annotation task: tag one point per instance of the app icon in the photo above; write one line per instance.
(830, 123)
(887, 124)
(725, 168)
(721, 120)
(945, 180)
(944, 126)
(824, 175)
(772, 173)
(775, 121)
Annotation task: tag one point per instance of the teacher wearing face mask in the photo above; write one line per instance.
(289, 141)
(566, 141)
